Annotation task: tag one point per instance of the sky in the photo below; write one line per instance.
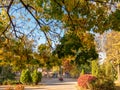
(27, 24)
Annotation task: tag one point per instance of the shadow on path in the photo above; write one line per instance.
(55, 81)
(50, 84)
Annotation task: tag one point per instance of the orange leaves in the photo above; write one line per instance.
(67, 66)
(84, 80)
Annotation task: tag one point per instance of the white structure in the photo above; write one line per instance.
(100, 40)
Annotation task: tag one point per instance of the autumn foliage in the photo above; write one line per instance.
(85, 79)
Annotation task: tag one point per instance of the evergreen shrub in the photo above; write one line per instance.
(36, 77)
(25, 77)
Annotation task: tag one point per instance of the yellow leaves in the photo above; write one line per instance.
(82, 1)
(70, 4)
(1, 57)
(4, 16)
(46, 16)
(55, 68)
(86, 38)
(118, 5)
(113, 46)
(65, 17)
(1, 50)
(3, 19)
(39, 9)
(45, 28)
(1, 54)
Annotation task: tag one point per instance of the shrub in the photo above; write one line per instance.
(102, 84)
(91, 82)
(19, 87)
(7, 82)
(85, 79)
(7, 73)
(94, 68)
(105, 78)
(36, 77)
(25, 77)
(9, 88)
(82, 72)
(39, 76)
(10, 82)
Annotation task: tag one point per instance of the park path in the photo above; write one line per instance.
(52, 84)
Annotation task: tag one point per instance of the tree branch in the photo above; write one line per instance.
(4, 6)
(11, 22)
(26, 7)
(3, 33)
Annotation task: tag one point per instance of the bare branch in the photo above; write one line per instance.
(26, 7)
(8, 9)
(4, 6)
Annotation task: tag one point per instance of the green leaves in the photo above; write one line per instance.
(25, 77)
(115, 20)
(82, 48)
(69, 45)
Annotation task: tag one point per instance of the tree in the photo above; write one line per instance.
(49, 16)
(18, 54)
(70, 43)
(82, 49)
(112, 48)
(45, 56)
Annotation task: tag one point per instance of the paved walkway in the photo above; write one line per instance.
(52, 84)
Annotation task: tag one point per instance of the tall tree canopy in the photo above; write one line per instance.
(16, 53)
(47, 18)
(112, 47)
(82, 49)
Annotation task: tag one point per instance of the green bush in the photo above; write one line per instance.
(25, 77)
(102, 84)
(7, 73)
(10, 82)
(94, 67)
(40, 76)
(105, 78)
(82, 72)
(36, 77)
